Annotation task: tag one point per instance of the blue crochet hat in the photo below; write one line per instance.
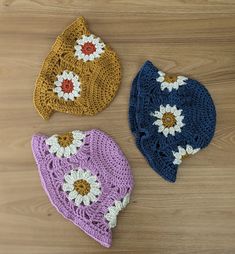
(171, 117)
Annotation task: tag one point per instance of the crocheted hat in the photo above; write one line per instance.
(171, 118)
(80, 75)
(86, 177)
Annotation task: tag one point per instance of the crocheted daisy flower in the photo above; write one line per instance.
(170, 81)
(183, 153)
(67, 144)
(169, 120)
(89, 48)
(113, 211)
(81, 186)
(67, 86)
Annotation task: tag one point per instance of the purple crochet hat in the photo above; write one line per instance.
(86, 177)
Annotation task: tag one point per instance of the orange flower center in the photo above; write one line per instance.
(170, 78)
(65, 139)
(88, 48)
(82, 187)
(168, 120)
(67, 86)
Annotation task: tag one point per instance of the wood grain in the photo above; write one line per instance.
(194, 38)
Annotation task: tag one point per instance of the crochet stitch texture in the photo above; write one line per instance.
(171, 118)
(89, 183)
(80, 75)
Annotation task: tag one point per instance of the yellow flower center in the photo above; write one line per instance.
(82, 187)
(170, 78)
(168, 120)
(185, 156)
(65, 139)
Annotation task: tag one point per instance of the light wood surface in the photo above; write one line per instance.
(194, 38)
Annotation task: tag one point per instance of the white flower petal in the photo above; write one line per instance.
(161, 73)
(181, 150)
(96, 54)
(58, 83)
(54, 148)
(189, 149)
(168, 108)
(78, 200)
(161, 128)
(126, 200)
(57, 89)
(92, 179)
(72, 195)
(86, 200)
(73, 174)
(163, 86)
(70, 75)
(108, 216)
(196, 150)
(158, 114)
(95, 185)
(60, 94)
(113, 222)
(91, 57)
(67, 187)
(60, 152)
(118, 205)
(162, 109)
(73, 149)
(99, 51)
(78, 134)
(182, 78)
(166, 131)
(65, 75)
(71, 96)
(67, 152)
(179, 118)
(158, 122)
(86, 175)
(172, 131)
(66, 96)
(80, 173)
(177, 155)
(178, 112)
(69, 179)
(51, 140)
(180, 124)
(177, 162)
(92, 197)
(60, 78)
(113, 210)
(170, 87)
(160, 79)
(77, 143)
(75, 93)
(95, 191)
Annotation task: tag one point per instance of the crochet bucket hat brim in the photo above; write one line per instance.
(86, 177)
(171, 118)
(80, 75)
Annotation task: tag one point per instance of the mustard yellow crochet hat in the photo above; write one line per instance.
(79, 76)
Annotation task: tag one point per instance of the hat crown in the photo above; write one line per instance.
(80, 75)
(170, 116)
(89, 186)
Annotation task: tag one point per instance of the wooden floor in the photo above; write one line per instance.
(194, 38)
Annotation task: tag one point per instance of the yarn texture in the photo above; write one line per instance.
(80, 75)
(171, 117)
(86, 177)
